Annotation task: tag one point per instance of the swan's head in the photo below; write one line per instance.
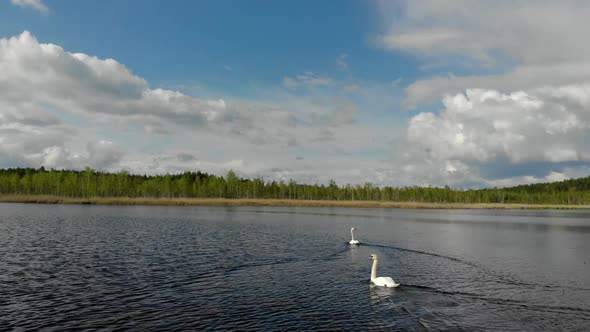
(353, 229)
(373, 257)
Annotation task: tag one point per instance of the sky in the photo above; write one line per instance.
(464, 93)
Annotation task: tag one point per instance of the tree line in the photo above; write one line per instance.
(93, 183)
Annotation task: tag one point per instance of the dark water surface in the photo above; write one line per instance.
(254, 268)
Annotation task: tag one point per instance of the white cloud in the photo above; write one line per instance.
(53, 153)
(480, 127)
(311, 78)
(41, 84)
(341, 62)
(69, 110)
(342, 111)
(308, 79)
(56, 157)
(540, 40)
(542, 125)
(530, 108)
(36, 4)
(64, 110)
(523, 77)
(323, 135)
(513, 181)
(533, 32)
(85, 85)
(103, 154)
(334, 156)
(23, 141)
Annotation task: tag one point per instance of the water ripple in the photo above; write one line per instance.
(167, 269)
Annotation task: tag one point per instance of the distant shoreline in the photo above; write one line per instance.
(45, 199)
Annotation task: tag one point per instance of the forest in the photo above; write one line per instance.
(93, 183)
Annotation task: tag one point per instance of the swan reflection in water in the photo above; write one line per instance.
(380, 294)
(386, 308)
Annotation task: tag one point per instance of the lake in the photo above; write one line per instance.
(272, 268)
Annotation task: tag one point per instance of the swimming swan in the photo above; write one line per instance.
(380, 281)
(353, 241)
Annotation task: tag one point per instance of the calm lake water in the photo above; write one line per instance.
(262, 268)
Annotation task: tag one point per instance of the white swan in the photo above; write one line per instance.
(353, 241)
(380, 281)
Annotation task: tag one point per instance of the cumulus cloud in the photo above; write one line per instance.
(103, 154)
(524, 77)
(81, 84)
(25, 139)
(311, 78)
(41, 84)
(484, 125)
(162, 163)
(534, 32)
(342, 111)
(25, 114)
(539, 39)
(183, 157)
(480, 127)
(57, 108)
(323, 135)
(512, 181)
(100, 155)
(530, 108)
(36, 4)
(49, 149)
(308, 79)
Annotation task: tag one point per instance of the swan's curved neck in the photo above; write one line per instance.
(352, 234)
(374, 270)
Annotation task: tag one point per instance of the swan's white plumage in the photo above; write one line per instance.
(384, 282)
(353, 241)
(380, 281)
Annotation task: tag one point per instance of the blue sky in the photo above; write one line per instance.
(389, 92)
(223, 44)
